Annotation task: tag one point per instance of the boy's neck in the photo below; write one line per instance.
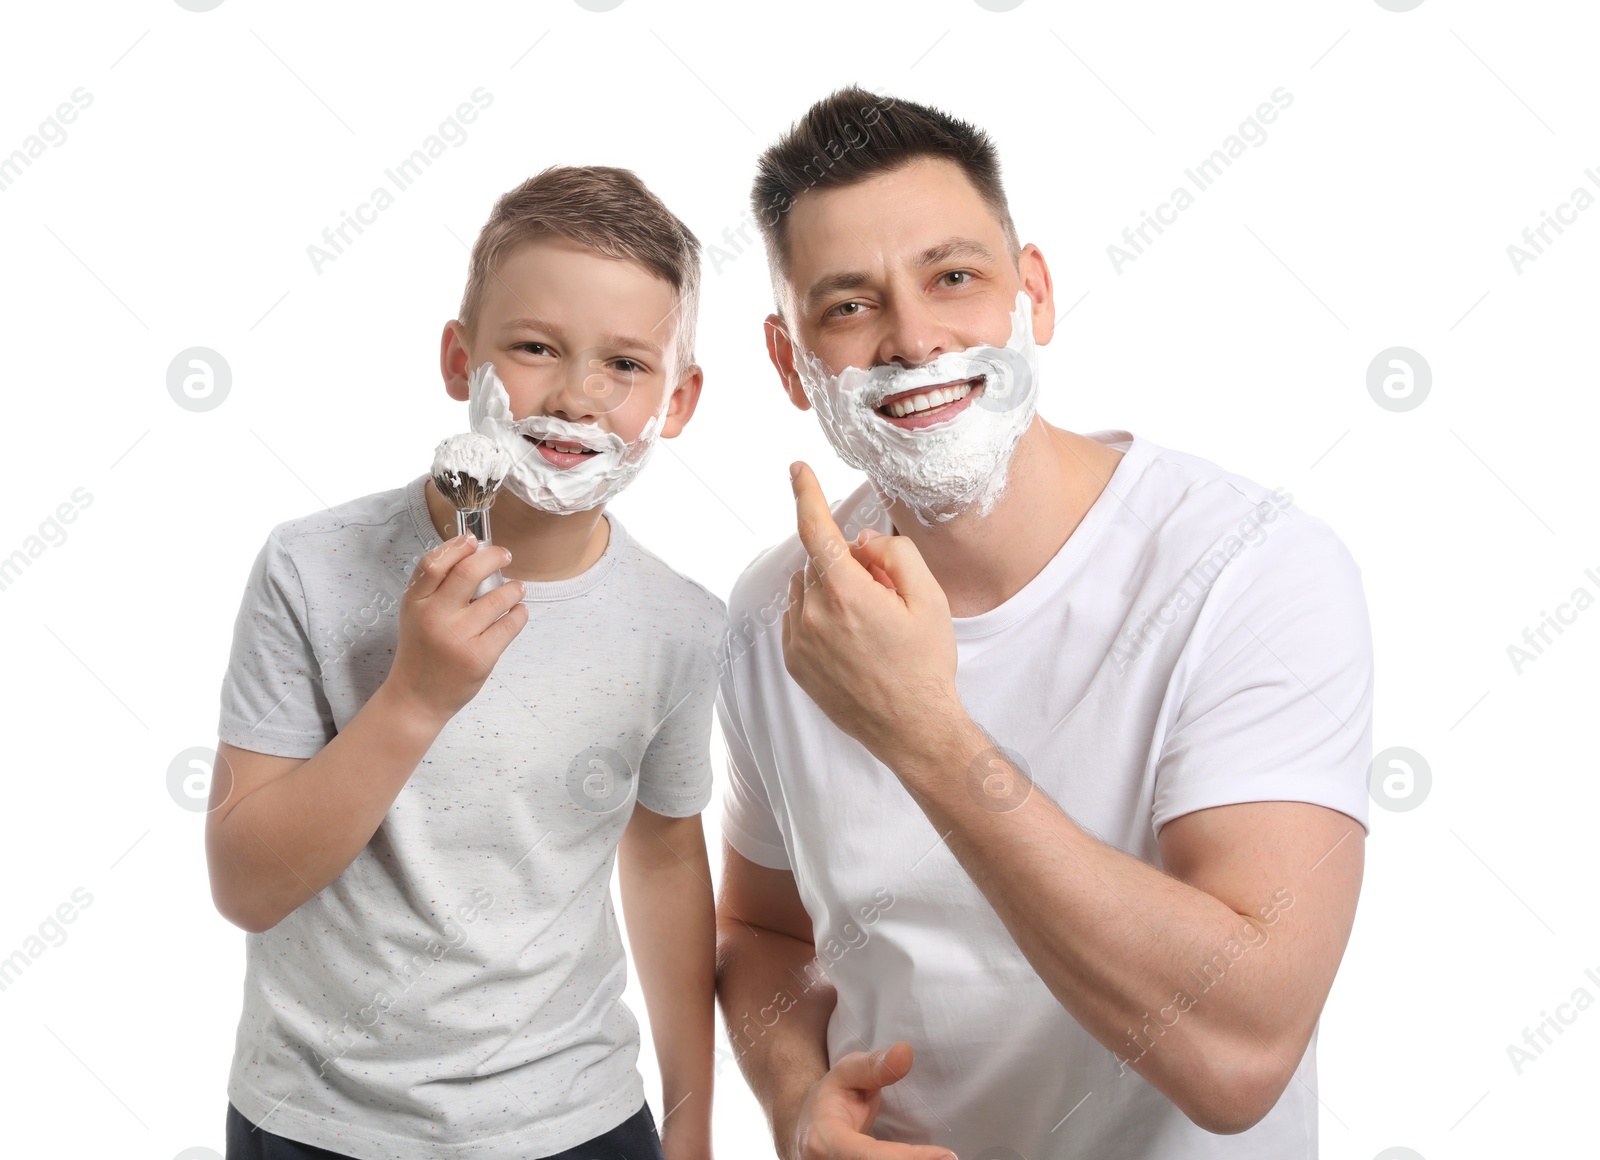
(982, 561)
(543, 547)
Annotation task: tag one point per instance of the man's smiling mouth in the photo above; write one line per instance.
(924, 405)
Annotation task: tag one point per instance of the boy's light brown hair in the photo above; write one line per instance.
(607, 209)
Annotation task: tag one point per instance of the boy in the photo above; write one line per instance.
(419, 795)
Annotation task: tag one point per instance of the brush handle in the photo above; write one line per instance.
(476, 521)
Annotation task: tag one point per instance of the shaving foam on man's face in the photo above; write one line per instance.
(544, 475)
(938, 437)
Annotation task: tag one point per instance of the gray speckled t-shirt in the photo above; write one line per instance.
(457, 990)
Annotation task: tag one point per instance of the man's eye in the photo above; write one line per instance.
(964, 275)
(846, 309)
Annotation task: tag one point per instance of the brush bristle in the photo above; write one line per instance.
(468, 470)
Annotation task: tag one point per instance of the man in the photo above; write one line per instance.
(1053, 778)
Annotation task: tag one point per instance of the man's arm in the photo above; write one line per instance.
(1207, 980)
(665, 882)
(868, 635)
(776, 1014)
(776, 1003)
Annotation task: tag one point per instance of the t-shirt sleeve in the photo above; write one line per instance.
(748, 822)
(272, 695)
(1279, 704)
(675, 773)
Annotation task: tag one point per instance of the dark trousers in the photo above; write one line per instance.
(633, 1139)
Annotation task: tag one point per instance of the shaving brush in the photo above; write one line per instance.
(468, 470)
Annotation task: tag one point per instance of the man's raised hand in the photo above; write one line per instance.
(867, 632)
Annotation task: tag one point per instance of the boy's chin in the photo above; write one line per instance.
(533, 513)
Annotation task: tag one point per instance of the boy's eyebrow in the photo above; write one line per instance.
(628, 342)
(538, 324)
(622, 341)
(944, 251)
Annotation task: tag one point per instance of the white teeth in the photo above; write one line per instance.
(931, 399)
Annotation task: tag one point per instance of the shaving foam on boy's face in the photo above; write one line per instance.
(579, 481)
(979, 400)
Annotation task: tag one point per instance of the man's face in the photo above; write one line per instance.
(899, 269)
(575, 335)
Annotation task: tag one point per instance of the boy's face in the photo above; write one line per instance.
(899, 269)
(578, 336)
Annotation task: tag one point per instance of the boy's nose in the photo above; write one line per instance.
(587, 391)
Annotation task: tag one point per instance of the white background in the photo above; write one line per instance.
(1378, 212)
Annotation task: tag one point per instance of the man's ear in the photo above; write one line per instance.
(685, 397)
(453, 355)
(780, 349)
(1035, 275)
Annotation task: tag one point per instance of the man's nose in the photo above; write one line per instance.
(913, 335)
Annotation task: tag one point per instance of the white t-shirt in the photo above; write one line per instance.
(456, 992)
(1197, 641)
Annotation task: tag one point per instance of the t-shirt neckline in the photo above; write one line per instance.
(533, 590)
(1070, 556)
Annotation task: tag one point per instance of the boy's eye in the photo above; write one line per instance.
(533, 347)
(627, 366)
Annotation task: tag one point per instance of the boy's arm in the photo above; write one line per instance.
(280, 829)
(665, 882)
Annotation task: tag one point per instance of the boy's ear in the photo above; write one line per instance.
(453, 355)
(780, 349)
(685, 397)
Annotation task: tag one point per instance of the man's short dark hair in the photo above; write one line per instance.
(851, 135)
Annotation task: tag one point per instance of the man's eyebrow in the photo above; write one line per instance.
(955, 248)
(944, 251)
(831, 284)
(615, 341)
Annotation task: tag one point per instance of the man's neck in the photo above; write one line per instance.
(982, 561)
(543, 546)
